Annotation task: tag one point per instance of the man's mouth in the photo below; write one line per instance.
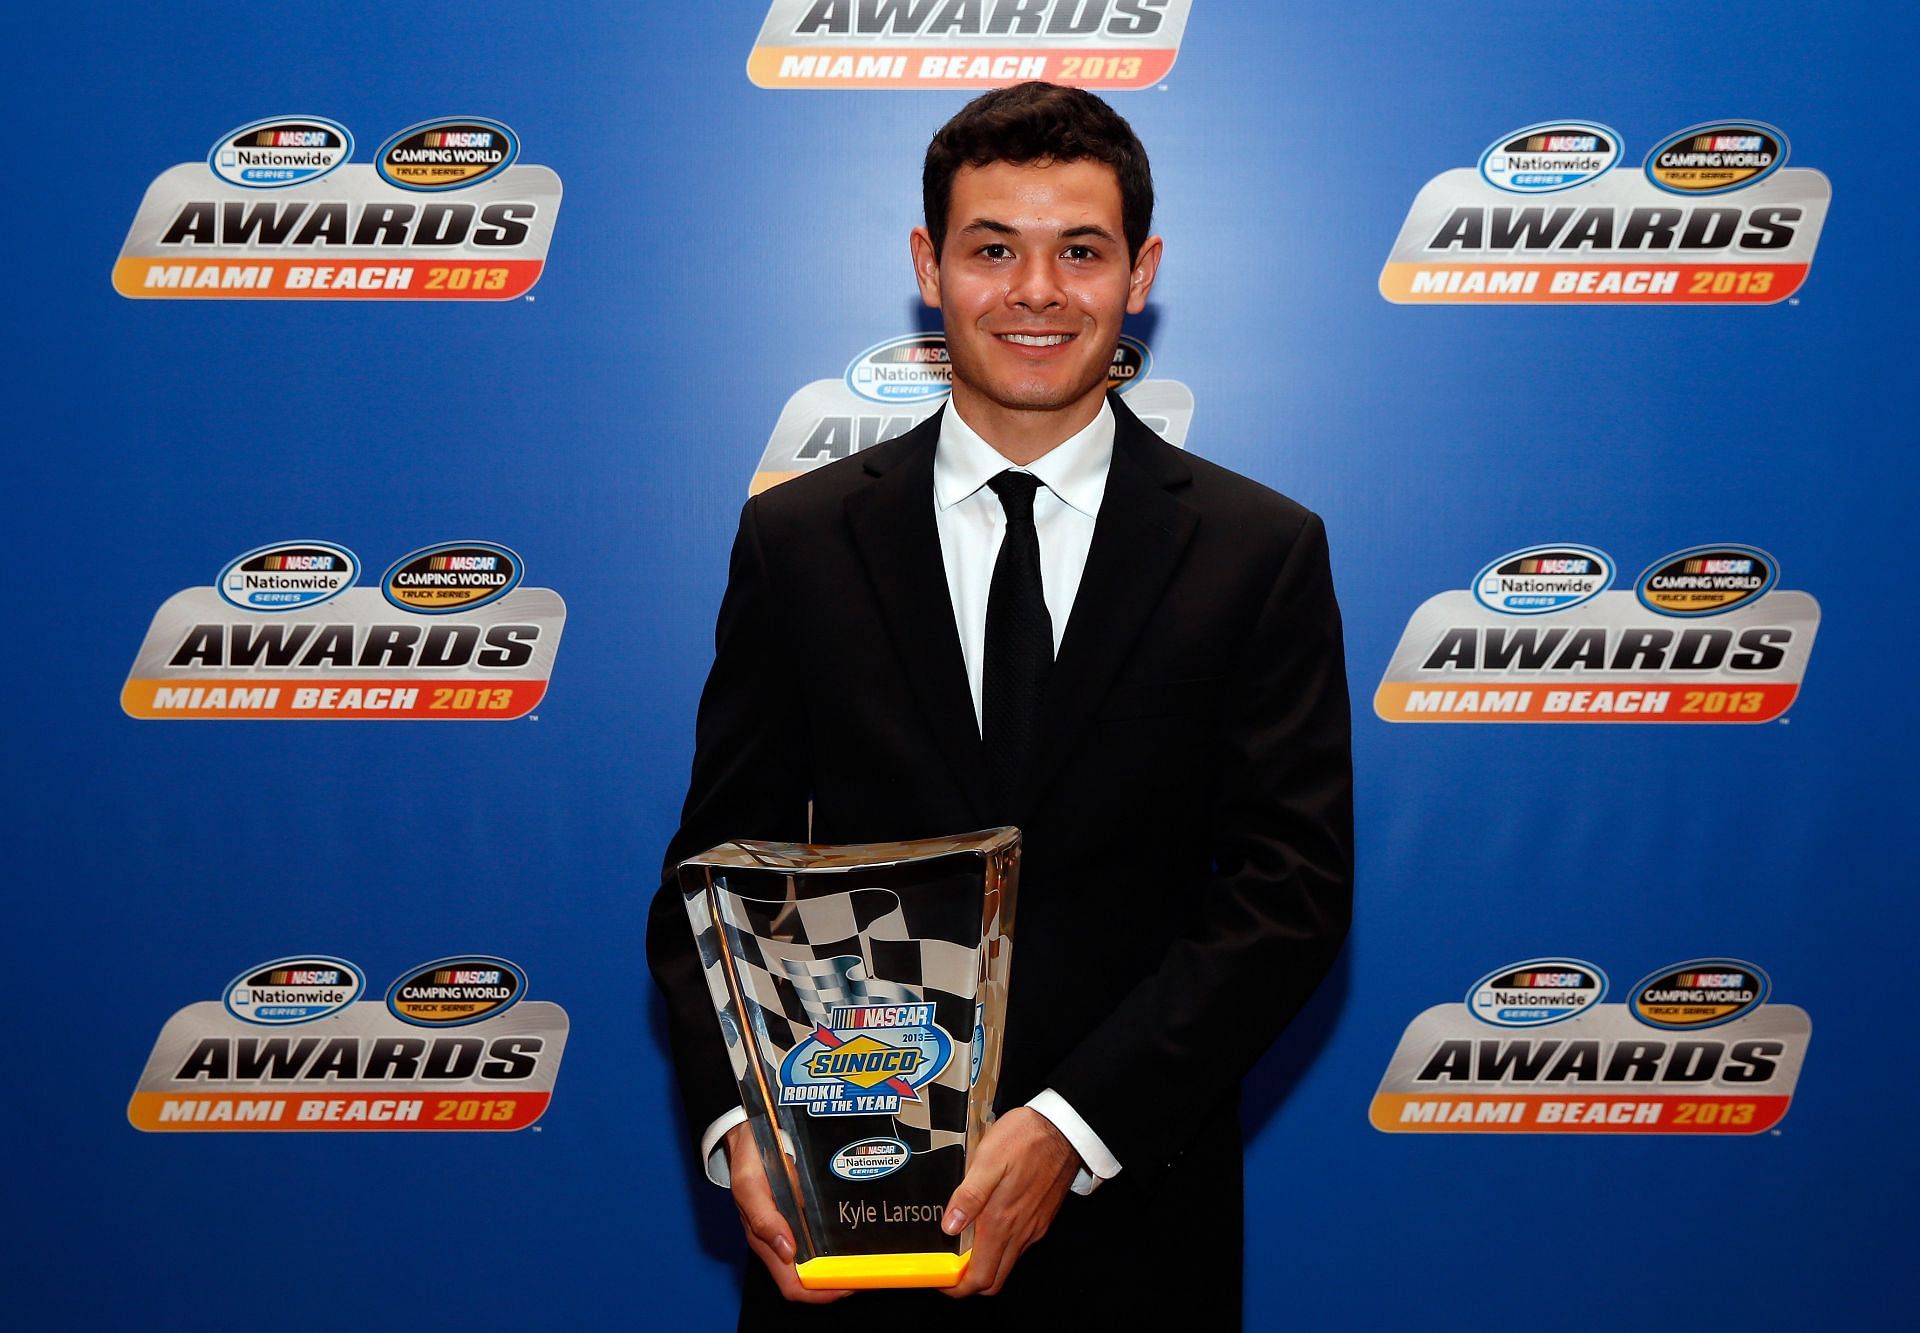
(1035, 339)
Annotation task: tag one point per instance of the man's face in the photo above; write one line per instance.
(1033, 282)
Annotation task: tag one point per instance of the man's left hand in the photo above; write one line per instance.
(1014, 1186)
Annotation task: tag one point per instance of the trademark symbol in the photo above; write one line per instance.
(533, 717)
(1794, 301)
(1775, 1133)
(527, 298)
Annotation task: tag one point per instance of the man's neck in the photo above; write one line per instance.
(1024, 435)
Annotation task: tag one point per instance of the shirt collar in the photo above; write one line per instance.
(1075, 469)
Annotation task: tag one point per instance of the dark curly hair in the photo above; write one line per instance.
(1039, 122)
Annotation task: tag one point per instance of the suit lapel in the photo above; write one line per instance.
(1137, 543)
(893, 528)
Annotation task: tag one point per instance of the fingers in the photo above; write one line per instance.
(970, 1199)
(787, 1280)
(1011, 1193)
(974, 1203)
(754, 1197)
(768, 1235)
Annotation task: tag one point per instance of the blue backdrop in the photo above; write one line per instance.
(719, 246)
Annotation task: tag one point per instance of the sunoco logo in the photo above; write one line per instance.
(283, 150)
(454, 991)
(865, 1060)
(1543, 578)
(1537, 992)
(1707, 580)
(869, 1159)
(916, 369)
(1701, 994)
(1554, 155)
(288, 575)
(1715, 158)
(447, 154)
(456, 576)
(294, 990)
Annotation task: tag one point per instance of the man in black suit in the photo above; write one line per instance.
(1031, 610)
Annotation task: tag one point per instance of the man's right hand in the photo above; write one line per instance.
(767, 1232)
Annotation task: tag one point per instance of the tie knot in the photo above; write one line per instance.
(1016, 491)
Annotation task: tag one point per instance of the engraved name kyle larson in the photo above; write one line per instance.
(855, 1213)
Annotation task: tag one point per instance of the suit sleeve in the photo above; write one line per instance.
(750, 780)
(1275, 909)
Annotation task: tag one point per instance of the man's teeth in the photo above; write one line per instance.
(1038, 340)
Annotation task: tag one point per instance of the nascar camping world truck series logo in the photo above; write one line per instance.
(1705, 636)
(1713, 217)
(1696, 1049)
(450, 633)
(967, 43)
(290, 1045)
(277, 212)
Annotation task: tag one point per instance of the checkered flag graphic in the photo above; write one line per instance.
(798, 958)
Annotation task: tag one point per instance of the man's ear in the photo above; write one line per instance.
(926, 265)
(1146, 266)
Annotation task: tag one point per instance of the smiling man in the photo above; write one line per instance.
(1031, 610)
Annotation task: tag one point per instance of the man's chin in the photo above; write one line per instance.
(1041, 398)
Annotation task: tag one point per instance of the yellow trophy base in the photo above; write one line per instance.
(863, 1272)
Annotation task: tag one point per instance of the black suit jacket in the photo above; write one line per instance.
(1187, 859)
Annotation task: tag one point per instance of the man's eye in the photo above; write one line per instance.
(1080, 252)
(994, 251)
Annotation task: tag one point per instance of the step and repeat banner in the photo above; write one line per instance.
(375, 369)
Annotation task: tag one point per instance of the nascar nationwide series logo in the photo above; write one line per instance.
(288, 575)
(1711, 219)
(967, 43)
(278, 213)
(893, 386)
(294, 990)
(450, 635)
(281, 151)
(1706, 636)
(222, 1066)
(1627, 1068)
(1537, 992)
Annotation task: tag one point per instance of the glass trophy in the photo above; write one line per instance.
(861, 992)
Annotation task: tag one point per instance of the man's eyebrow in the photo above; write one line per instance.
(1006, 229)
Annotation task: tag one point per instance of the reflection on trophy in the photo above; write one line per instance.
(861, 992)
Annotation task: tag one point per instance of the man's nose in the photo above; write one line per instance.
(1036, 285)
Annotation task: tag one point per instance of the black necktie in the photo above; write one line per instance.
(1019, 641)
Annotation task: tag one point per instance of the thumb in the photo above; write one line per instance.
(753, 1197)
(768, 1227)
(971, 1197)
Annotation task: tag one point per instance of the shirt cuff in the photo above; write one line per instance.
(714, 1152)
(1097, 1164)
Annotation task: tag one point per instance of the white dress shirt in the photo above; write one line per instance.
(971, 523)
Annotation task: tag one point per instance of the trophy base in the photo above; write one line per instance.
(863, 1272)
